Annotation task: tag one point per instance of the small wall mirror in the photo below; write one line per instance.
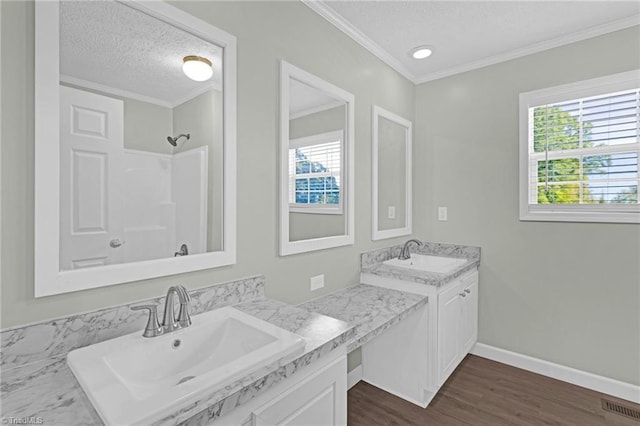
(316, 163)
(135, 154)
(391, 175)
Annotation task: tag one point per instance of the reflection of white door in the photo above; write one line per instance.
(91, 179)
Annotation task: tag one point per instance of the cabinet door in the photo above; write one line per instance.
(319, 400)
(449, 321)
(469, 327)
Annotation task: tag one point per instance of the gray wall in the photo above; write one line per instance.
(563, 292)
(304, 226)
(201, 118)
(266, 32)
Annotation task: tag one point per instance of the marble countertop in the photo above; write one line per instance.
(370, 309)
(372, 263)
(47, 389)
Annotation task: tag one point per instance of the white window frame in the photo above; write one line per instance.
(531, 211)
(322, 138)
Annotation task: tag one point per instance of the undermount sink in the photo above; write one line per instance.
(133, 379)
(427, 263)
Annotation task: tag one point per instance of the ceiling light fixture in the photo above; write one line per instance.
(197, 68)
(421, 52)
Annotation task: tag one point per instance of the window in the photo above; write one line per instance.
(580, 151)
(315, 167)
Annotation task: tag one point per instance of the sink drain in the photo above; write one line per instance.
(176, 344)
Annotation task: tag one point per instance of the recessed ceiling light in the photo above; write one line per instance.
(197, 68)
(421, 52)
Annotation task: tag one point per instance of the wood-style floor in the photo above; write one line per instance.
(484, 392)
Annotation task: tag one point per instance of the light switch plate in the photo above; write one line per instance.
(316, 282)
(391, 212)
(442, 213)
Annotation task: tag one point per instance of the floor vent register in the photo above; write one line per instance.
(614, 407)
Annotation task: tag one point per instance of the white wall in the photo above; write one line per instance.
(568, 293)
(149, 212)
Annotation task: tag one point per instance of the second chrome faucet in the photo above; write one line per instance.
(169, 321)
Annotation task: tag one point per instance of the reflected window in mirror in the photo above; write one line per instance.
(315, 173)
(316, 163)
(391, 175)
(135, 156)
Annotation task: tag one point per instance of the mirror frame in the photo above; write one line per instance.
(48, 279)
(376, 233)
(287, 72)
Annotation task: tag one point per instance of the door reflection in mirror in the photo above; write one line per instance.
(120, 179)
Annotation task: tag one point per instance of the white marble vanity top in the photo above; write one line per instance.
(36, 382)
(370, 309)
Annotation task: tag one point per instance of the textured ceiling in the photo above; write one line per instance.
(470, 34)
(113, 45)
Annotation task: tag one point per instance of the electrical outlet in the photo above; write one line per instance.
(391, 212)
(442, 213)
(316, 282)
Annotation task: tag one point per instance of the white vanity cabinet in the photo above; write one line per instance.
(452, 323)
(315, 395)
(318, 400)
(457, 323)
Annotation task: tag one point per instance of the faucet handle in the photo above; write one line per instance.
(184, 319)
(153, 327)
(185, 293)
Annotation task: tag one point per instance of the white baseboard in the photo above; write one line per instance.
(354, 376)
(581, 378)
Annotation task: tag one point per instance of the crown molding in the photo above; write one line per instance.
(598, 30)
(346, 27)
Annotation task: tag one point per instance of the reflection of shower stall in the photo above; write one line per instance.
(121, 205)
(165, 203)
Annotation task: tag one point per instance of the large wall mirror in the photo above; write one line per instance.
(134, 144)
(391, 175)
(316, 163)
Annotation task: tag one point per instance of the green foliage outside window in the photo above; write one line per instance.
(557, 130)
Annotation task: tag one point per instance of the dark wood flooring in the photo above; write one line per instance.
(485, 392)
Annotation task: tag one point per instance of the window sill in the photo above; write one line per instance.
(568, 214)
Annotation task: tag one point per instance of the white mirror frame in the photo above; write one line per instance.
(288, 71)
(376, 233)
(48, 279)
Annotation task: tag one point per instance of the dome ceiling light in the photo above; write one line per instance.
(197, 68)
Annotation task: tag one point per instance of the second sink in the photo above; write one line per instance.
(428, 263)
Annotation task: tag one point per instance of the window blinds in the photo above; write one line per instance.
(585, 151)
(315, 174)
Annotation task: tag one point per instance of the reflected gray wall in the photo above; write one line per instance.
(304, 226)
(392, 151)
(201, 117)
(146, 126)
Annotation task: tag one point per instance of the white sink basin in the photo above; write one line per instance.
(423, 262)
(133, 379)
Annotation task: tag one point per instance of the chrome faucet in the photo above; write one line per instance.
(405, 253)
(169, 321)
